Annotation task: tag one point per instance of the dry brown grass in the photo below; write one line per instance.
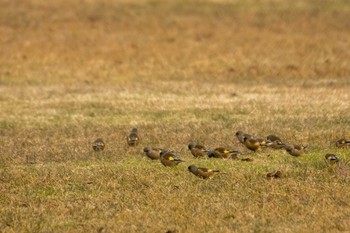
(180, 71)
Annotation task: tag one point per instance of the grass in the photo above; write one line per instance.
(180, 71)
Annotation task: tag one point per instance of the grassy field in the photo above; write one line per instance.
(181, 71)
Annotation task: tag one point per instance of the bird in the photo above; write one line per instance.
(331, 159)
(241, 135)
(247, 159)
(223, 153)
(152, 152)
(295, 150)
(169, 159)
(133, 138)
(276, 142)
(202, 172)
(253, 144)
(273, 138)
(300, 147)
(343, 143)
(98, 144)
(276, 175)
(197, 150)
(263, 142)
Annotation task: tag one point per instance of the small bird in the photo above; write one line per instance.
(273, 138)
(202, 172)
(152, 152)
(295, 150)
(133, 138)
(241, 135)
(98, 144)
(169, 159)
(253, 144)
(264, 142)
(223, 153)
(276, 142)
(197, 150)
(276, 175)
(300, 147)
(331, 159)
(343, 143)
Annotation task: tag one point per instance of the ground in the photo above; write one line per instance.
(181, 72)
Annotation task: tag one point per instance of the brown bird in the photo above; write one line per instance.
(277, 145)
(169, 159)
(295, 150)
(98, 144)
(133, 138)
(264, 142)
(276, 175)
(223, 153)
(197, 150)
(331, 159)
(202, 172)
(343, 143)
(273, 138)
(276, 142)
(152, 152)
(241, 135)
(254, 144)
(300, 147)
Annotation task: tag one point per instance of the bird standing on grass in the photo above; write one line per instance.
(273, 138)
(169, 159)
(152, 152)
(252, 144)
(263, 142)
(343, 143)
(223, 153)
(197, 150)
(133, 138)
(331, 159)
(241, 135)
(295, 150)
(276, 142)
(98, 144)
(202, 172)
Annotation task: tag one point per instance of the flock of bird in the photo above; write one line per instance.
(169, 158)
